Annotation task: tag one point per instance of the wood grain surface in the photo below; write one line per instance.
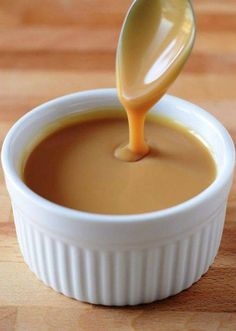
(52, 47)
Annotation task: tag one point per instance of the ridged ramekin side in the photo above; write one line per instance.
(119, 275)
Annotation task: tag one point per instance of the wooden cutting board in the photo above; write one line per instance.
(49, 48)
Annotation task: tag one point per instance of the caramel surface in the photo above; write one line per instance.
(75, 167)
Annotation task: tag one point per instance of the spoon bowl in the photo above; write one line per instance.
(155, 41)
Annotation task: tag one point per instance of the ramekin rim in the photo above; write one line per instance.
(19, 185)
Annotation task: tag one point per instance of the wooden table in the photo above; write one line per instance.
(49, 48)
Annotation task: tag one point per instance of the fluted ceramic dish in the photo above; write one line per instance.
(119, 260)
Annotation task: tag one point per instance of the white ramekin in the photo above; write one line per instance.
(119, 260)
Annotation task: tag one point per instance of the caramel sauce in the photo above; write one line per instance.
(74, 166)
(154, 44)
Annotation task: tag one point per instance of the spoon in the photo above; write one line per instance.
(155, 41)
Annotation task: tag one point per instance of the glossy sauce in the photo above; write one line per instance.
(75, 167)
(154, 44)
